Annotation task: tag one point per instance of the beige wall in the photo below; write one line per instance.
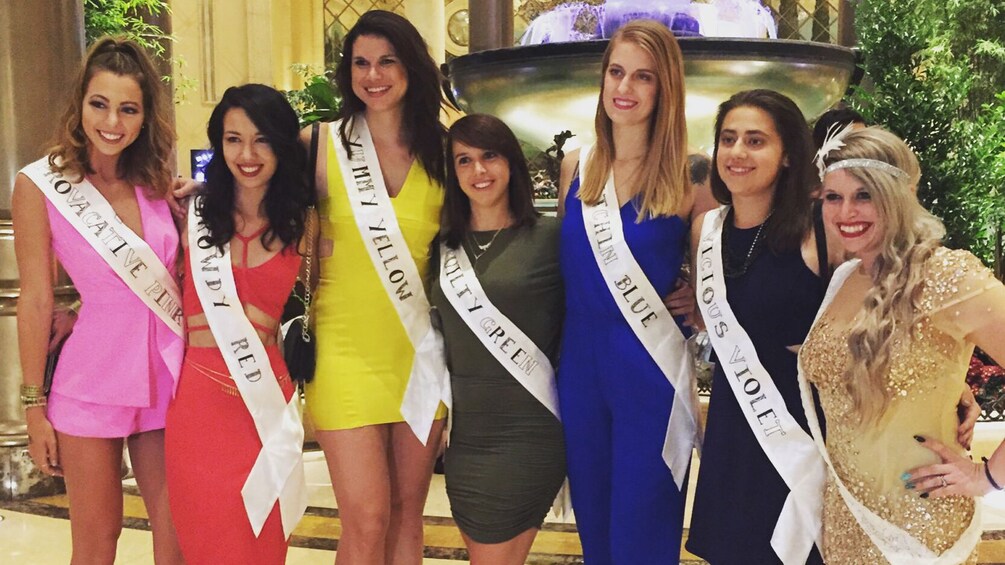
(223, 43)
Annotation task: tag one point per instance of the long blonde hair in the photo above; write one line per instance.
(147, 160)
(910, 236)
(663, 185)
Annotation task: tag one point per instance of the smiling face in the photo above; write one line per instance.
(483, 175)
(630, 86)
(112, 114)
(379, 78)
(750, 154)
(850, 210)
(248, 154)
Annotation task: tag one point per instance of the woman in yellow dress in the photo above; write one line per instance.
(887, 355)
(375, 235)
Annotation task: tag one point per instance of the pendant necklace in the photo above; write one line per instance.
(482, 247)
(730, 271)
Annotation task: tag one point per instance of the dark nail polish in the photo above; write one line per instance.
(924, 495)
(919, 439)
(910, 486)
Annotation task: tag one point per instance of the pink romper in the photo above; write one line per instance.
(117, 371)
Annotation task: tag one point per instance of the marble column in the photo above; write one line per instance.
(41, 46)
(428, 17)
(491, 24)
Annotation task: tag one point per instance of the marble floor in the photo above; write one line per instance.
(36, 531)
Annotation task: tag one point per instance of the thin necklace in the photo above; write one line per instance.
(730, 271)
(484, 248)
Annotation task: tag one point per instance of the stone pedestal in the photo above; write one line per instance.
(20, 479)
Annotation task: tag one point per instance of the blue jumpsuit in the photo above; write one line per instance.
(615, 401)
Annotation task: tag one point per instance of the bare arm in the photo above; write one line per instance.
(982, 319)
(33, 250)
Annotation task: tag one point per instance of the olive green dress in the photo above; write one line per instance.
(506, 459)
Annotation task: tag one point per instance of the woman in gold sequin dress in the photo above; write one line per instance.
(900, 331)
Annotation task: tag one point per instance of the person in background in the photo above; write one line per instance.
(96, 204)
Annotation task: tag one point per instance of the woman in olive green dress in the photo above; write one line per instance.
(497, 292)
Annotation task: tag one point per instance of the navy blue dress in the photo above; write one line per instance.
(615, 401)
(739, 494)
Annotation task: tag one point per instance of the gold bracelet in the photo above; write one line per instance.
(33, 401)
(31, 390)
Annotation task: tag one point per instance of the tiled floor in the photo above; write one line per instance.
(36, 532)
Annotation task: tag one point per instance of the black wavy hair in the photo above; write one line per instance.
(424, 97)
(486, 133)
(289, 193)
(792, 202)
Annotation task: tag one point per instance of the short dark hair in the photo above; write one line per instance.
(424, 97)
(487, 133)
(792, 204)
(289, 194)
(843, 116)
(698, 165)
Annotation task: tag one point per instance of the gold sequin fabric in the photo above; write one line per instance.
(925, 377)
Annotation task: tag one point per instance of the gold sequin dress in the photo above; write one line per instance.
(926, 377)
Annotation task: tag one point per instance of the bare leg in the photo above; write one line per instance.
(146, 452)
(357, 463)
(411, 467)
(91, 467)
(512, 552)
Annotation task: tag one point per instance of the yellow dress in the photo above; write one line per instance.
(926, 377)
(364, 354)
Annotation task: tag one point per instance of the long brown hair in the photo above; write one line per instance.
(663, 182)
(424, 96)
(147, 160)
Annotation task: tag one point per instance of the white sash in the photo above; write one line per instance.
(516, 352)
(643, 309)
(897, 546)
(126, 253)
(428, 382)
(789, 448)
(278, 472)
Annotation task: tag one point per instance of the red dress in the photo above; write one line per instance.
(210, 440)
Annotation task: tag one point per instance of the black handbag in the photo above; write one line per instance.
(299, 343)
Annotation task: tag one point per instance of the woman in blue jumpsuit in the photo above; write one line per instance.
(615, 401)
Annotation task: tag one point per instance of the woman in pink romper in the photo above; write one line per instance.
(117, 369)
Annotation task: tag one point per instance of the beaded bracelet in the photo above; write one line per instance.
(987, 473)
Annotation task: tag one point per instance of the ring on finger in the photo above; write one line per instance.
(943, 479)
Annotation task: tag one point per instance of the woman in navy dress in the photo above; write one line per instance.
(761, 166)
(614, 399)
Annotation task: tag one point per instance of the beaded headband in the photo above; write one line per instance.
(866, 164)
(835, 140)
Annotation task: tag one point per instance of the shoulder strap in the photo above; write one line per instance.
(823, 258)
(313, 164)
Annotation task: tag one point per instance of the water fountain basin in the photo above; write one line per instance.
(541, 90)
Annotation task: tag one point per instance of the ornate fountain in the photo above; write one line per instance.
(551, 82)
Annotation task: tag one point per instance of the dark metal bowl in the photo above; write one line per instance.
(540, 90)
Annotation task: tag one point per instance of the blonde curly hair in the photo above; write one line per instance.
(910, 236)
